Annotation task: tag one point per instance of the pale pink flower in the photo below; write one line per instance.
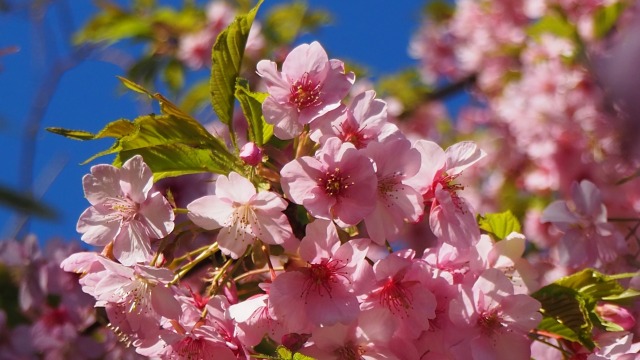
(309, 86)
(367, 338)
(615, 346)
(395, 161)
(136, 298)
(362, 122)
(325, 292)
(451, 218)
(496, 320)
(124, 210)
(243, 214)
(506, 255)
(588, 237)
(338, 183)
(253, 320)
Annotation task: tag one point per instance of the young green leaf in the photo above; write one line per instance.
(226, 59)
(499, 224)
(605, 18)
(553, 24)
(568, 305)
(251, 102)
(566, 314)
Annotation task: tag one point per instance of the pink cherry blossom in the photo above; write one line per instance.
(451, 217)
(253, 319)
(588, 237)
(496, 320)
(325, 292)
(367, 338)
(136, 299)
(243, 214)
(338, 183)
(401, 292)
(309, 86)
(124, 210)
(395, 162)
(364, 121)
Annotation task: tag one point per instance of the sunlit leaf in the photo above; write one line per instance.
(499, 224)
(553, 24)
(566, 314)
(226, 60)
(285, 22)
(251, 102)
(172, 144)
(568, 305)
(606, 17)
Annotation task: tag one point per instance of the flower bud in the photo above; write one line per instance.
(616, 314)
(251, 154)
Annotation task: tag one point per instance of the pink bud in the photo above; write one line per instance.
(616, 314)
(251, 154)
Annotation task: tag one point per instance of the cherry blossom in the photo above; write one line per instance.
(338, 183)
(364, 121)
(243, 214)
(588, 237)
(451, 217)
(324, 292)
(395, 161)
(124, 210)
(496, 320)
(309, 85)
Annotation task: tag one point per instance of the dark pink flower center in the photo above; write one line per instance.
(350, 132)
(489, 321)
(305, 92)
(349, 351)
(449, 185)
(335, 183)
(191, 348)
(56, 317)
(395, 296)
(323, 276)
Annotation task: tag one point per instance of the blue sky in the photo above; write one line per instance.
(88, 96)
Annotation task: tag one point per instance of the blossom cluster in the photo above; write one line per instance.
(348, 234)
(341, 275)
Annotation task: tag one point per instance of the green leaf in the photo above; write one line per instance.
(72, 134)
(553, 24)
(174, 146)
(566, 314)
(226, 60)
(284, 353)
(174, 75)
(25, 203)
(166, 106)
(605, 18)
(285, 22)
(112, 24)
(568, 305)
(170, 145)
(298, 356)
(259, 130)
(499, 224)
